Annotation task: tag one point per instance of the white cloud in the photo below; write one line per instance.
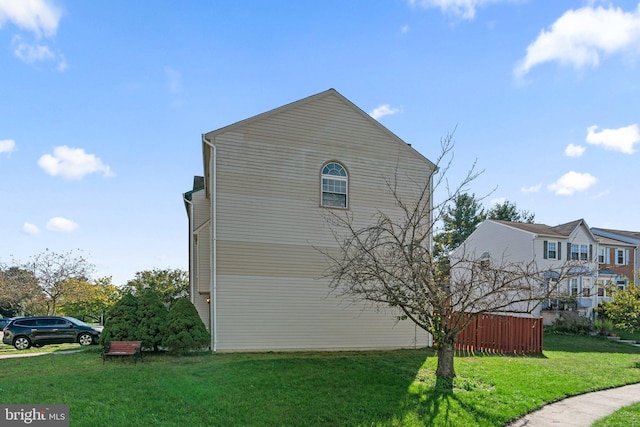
(41, 17)
(531, 189)
(580, 37)
(31, 52)
(465, 9)
(72, 163)
(571, 182)
(574, 150)
(383, 110)
(622, 139)
(7, 145)
(61, 224)
(404, 29)
(30, 228)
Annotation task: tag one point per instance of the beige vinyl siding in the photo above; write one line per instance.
(292, 313)
(270, 291)
(203, 260)
(201, 209)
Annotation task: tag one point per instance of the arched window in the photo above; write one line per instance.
(335, 183)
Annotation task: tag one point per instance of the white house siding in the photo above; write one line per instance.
(270, 290)
(501, 242)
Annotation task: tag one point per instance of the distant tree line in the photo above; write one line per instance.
(59, 283)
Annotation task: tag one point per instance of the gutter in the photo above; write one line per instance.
(191, 285)
(213, 282)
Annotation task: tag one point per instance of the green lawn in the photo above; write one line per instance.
(395, 388)
(625, 417)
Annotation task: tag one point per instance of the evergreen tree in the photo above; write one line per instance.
(185, 330)
(122, 321)
(153, 320)
(458, 222)
(508, 211)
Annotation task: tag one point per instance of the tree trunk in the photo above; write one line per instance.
(446, 351)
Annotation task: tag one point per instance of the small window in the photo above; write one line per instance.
(485, 260)
(334, 186)
(551, 250)
(600, 255)
(622, 257)
(574, 287)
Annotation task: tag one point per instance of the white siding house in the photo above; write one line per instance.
(549, 247)
(257, 225)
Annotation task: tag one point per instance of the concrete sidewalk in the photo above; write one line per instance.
(16, 355)
(583, 410)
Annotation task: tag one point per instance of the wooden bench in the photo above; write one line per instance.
(123, 348)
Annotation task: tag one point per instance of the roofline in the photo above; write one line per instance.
(210, 136)
(616, 235)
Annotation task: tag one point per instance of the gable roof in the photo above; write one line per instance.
(210, 136)
(562, 230)
(632, 237)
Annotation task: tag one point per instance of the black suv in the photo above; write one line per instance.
(24, 332)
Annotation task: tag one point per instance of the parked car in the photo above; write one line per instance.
(4, 321)
(24, 332)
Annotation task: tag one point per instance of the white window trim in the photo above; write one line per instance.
(345, 179)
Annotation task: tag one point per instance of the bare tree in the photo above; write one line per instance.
(390, 262)
(19, 292)
(55, 271)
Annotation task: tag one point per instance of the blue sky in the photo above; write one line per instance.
(102, 105)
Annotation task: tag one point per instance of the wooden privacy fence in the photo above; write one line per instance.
(502, 334)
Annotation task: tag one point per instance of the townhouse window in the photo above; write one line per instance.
(485, 260)
(575, 251)
(586, 287)
(334, 186)
(551, 250)
(601, 256)
(579, 252)
(600, 292)
(573, 287)
(583, 252)
(622, 256)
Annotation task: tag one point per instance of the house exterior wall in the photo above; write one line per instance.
(626, 267)
(501, 242)
(512, 244)
(200, 251)
(271, 294)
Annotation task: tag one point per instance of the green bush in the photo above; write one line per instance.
(185, 330)
(153, 320)
(571, 323)
(122, 321)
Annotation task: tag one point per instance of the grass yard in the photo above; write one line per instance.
(395, 388)
(625, 417)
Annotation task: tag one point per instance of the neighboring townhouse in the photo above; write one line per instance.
(618, 252)
(549, 247)
(258, 226)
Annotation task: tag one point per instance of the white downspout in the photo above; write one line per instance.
(213, 283)
(191, 254)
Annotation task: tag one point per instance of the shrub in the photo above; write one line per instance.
(122, 321)
(185, 330)
(570, 323)
(153, 320)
